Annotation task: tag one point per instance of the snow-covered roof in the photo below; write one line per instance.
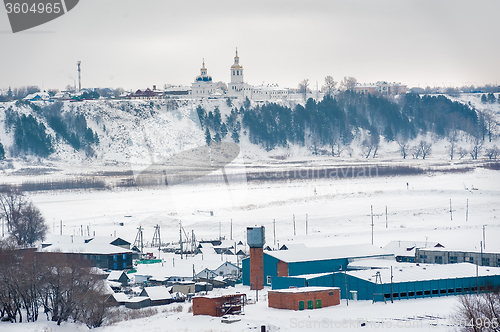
(269, 87)
(157, 293)
(81, 239)
(138, 299)
(114, 284)
(406, 272)
(311, 276)
(371, 263)
(290, 246)
(407, 248)
(85, 248)
(42, 95)
(120, 297)
(475, 250)
(303, 289)
(115, 275)
(326, 253)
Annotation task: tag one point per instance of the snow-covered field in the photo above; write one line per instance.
(338, 210)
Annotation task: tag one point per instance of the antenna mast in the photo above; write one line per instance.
(79, 76)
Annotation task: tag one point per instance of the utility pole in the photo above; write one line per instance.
(346, 293)
(180, 236)
(451, 211)
(386, 216)
(484, 237)
(307, 231)
(274, 230)
(392, 297)
(220, 235)
(231, 228)
(467, 211)
(294, 233)
(371, 206)
(60, 228)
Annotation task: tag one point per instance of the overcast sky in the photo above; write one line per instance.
(135, 44)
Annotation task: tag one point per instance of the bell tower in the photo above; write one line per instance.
(236, 70)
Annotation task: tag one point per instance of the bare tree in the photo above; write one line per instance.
(462, 152)
(12, 202)
(490, 124)
(404, 146)
(348, 83)
(371, 143)
(493, 152)
(415, 151)
(330, 85)
(477, 146)
(425, 148)
(304, 88)
(25, 222)
(452, 138)
(478, 313)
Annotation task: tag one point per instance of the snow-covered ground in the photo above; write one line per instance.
(337, 211)
(413, 315)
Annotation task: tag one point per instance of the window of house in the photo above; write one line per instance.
(124, 256)
(115, 257)
(486, 261)
(268, 280)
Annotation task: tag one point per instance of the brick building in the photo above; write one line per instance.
(304, 298)
(218, 306)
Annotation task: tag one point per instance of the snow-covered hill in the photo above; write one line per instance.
(136, 133)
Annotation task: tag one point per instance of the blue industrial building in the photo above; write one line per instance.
(305, 280)
(307, 261)
(417, 281)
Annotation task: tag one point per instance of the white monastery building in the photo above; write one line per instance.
(204, 87)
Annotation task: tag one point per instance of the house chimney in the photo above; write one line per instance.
(154, 87)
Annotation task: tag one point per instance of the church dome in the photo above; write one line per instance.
(204, 78)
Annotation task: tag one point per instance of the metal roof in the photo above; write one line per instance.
(327, 253)
(409, 272)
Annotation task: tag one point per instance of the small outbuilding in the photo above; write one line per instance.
(158, 295)
(304, 298)
(118, 276)
(220, 305)
(138, 302)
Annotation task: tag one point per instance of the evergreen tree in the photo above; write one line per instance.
(491, 98)
(217, 119)
(217, 137)
(2, 152)
(246, 103)
(208, 137)
(201, 115)
(223, 130)
(484, 99)
(235, 136)
(229, 103)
